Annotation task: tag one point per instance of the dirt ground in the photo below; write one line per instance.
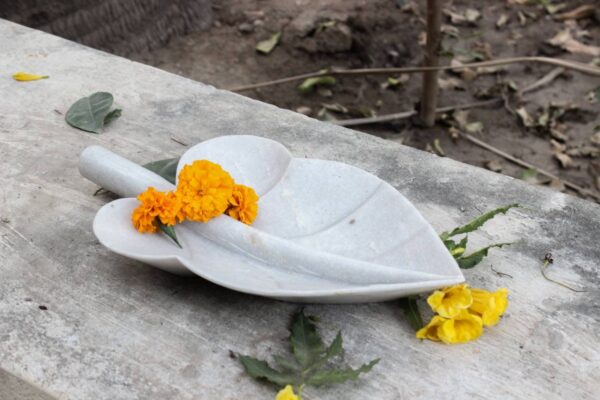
(564, 133)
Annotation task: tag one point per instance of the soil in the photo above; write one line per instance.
(319, 34)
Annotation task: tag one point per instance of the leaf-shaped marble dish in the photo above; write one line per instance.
(325, 232)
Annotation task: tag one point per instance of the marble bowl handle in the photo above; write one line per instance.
(117, 174)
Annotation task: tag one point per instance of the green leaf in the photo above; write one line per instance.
(100, 191)
(169, 231)
(261, 370)
(166, 168)
(267, 46)
(411, 309)
(88, 113)
(336, 347)
(285, 363)
(450, 244)
(114, 114)
(310, 83)
(306, 344)
(475, 258)
(529, 174)
(334, 375)
(477, 222)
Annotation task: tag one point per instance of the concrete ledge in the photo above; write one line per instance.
(116, 329)
(13, 388)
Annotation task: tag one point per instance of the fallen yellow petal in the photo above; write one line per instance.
(24, 76)
(287, 393)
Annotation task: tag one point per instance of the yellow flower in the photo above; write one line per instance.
(460, 329)
(24, 76)
(449, 302)
(430, 331)
(287, 393)
(243, 204)
(490, 306)
(205, 189)
(156, 206)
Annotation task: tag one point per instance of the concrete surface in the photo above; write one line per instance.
(117, 329)
(13, 388)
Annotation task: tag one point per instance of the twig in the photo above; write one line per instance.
(408, 114)
(525, 164)
(576, 66)
(546, 79)
(499, 273)
(549, 260)
(429, 94)
(580, 12)
(176, 140)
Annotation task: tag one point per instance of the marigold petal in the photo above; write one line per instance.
(24, 76)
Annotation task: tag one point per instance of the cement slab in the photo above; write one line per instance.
(117, 329)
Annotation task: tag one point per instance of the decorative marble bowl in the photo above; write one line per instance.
(326, 232)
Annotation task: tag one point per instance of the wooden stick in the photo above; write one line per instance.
(429, 95)
(525, 164)
(573, 65)
(546, 79)
(409, 114)
(583, 11)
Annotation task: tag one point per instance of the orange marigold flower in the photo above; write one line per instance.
(205, 189)
(156, 206)
(243, 204)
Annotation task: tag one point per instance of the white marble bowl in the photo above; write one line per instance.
(325, 232)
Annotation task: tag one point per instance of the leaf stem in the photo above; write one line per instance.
(411, 309)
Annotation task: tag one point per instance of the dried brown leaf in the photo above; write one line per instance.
(564, 160)
(558, 135)
(564, 39)
(557, 184)
(460, 116)
(526, 119)
(502, 21)
(468, 17)
(493, 165)
(558, 147)
(584, 151)
(451, 83)
(582, 11)
(474, 127)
